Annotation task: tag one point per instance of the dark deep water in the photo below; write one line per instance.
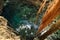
(23, 12)
(21, 18)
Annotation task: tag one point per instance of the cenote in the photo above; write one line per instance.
(21, 17)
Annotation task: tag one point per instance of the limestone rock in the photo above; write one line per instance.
(5, 33)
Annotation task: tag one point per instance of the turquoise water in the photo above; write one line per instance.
(20, 12)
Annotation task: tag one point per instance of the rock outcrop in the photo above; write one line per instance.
(5, 33)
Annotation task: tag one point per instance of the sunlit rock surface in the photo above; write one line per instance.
(5, 33)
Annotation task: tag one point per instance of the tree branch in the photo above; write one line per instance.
(53, 29)
(49, 15)
(39, 11)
